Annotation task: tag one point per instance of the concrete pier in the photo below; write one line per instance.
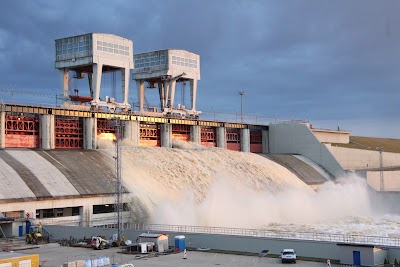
(245, 140)
(89, 133)
(166, 135)
(265, 141)
(87, 215)
(46, 132)
(2, 129)
(132, 133)
(195, 134)
(221, 137)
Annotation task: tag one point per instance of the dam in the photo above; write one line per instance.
(58, 164)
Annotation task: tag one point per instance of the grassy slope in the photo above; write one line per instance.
(361, 142)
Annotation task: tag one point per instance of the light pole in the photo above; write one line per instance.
(55, 94)
(241, 93)
(381, 179)
(13, 89)
(118, 124)
(133, 104)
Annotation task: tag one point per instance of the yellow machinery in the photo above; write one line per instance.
(36, 235)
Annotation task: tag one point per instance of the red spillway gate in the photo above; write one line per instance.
(22, 131)
(150, 135)
(256, 141)
(233, 139)
(104, 126)
(181, 132)
(68, 132)
(208, 136)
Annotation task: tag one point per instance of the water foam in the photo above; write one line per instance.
(194, 185)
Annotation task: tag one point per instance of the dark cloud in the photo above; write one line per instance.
(326, 61)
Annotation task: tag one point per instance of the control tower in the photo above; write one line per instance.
(163, 69)
(94, 54)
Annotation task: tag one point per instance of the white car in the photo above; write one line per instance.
(288, 255)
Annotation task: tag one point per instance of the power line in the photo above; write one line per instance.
(26, 93)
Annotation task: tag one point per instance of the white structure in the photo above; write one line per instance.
(93, 54)
(331, 136)
(298, 138)
(163, 69)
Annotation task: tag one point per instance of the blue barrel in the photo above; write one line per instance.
(180, 243)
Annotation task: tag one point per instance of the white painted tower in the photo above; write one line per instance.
(93, 54)
(163, 69)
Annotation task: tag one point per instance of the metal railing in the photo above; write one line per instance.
(205, 115)
(245, 232)
(324, 237)
(245, 118)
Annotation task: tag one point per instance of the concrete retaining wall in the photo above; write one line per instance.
(324, 250)
(353, 159)
(391, 180)
(297, 138)
(327, 136)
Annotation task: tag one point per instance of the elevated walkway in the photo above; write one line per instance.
(307, 173)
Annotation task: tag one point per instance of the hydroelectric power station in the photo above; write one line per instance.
(54, 173)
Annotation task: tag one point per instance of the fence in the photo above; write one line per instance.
(205, 115)
(309, 236)
(325, 237)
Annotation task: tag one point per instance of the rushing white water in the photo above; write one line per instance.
(193, 185)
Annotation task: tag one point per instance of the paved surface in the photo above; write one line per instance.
(55, 255)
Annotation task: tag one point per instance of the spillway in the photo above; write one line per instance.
(194, 185)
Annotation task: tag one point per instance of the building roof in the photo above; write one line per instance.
(162, 50)
(93, 33)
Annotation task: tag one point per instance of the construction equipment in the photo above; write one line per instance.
(99, 242)
(36, 235)
(119, 242)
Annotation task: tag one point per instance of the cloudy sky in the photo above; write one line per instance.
(335, 63)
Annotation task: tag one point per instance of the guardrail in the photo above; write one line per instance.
(205, 115)
(324, 237)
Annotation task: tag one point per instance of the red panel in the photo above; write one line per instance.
(22, 131)
(255, 137)
(256, 148)
(68, 133)
(233, 146)
(209, 144)
(22, 125)
(20, 140)
(104, 126)
(180, 128)
(208, 135)
(149, 135)
(232, 135)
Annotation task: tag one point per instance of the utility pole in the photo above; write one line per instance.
(116, 121)
(381, 180)
(241, 93)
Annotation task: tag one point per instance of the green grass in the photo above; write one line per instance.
(371, 143)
